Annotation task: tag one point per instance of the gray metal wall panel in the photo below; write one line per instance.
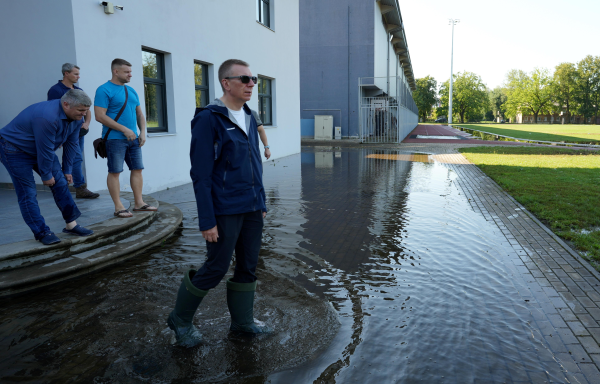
(336, 48)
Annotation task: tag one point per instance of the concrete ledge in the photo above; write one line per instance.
(24, 253)
(97, 255)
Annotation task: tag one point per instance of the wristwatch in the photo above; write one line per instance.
(267, 147)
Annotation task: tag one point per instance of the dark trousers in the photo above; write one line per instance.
(242, 233)
(78, 178)
(20, 165)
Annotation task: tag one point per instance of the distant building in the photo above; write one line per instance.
(352, 51)
(556, 118)
(184, 41)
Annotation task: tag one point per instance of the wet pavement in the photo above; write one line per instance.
(436, 276)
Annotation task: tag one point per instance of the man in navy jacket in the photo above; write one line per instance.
(227, 177)
(70, 77)
(28, 144)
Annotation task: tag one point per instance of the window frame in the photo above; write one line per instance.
(260, 7)
(159, 81)
(269, 97)
(206, 87)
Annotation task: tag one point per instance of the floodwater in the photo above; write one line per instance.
(424, 289)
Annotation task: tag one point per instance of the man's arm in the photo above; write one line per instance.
(265, 141)
(44, 133)
(141, 122)
(103, 119)
(203, 159)
(88, 119)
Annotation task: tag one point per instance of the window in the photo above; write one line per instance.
(201, 83)
(154, 91)
(265, 101)
(263, 12)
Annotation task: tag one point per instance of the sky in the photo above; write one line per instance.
(494, 37)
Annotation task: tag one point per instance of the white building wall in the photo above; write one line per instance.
(380, 46)
(407, 120)
(36, 39)
(208, 31)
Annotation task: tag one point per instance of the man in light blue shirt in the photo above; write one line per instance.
(123, 144)
(28, 143)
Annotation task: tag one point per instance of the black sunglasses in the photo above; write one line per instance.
(244, 79)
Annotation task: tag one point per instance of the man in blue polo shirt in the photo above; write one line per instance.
(70, 77)
(123, 142)
(28, 143)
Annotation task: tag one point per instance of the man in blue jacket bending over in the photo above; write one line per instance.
(28, 144)
(227, 176)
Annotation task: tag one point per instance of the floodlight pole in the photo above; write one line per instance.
(452, 22)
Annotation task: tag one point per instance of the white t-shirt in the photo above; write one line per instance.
(240, 117)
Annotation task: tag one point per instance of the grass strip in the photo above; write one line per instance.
(570, 133)
(560, 186)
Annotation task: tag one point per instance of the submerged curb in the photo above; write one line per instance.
(554, 143)
(114, 241)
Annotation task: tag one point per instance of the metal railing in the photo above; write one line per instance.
(385, 118)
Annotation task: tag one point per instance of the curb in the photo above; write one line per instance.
(529, 141)
(97, 256)
(24, 253)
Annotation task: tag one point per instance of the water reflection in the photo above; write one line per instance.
(427, 289)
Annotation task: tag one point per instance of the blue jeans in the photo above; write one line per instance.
(119, 150)
(19, 165)
(242, 233)
(78, 178)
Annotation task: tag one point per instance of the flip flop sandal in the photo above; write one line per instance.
(144, 209)
(118, 214)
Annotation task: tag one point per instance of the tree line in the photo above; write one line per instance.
(573, 89)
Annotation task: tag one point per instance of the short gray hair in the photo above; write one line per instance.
(68, 67)
(75, 98)
(225, 69)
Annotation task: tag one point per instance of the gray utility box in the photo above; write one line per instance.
(323, 127)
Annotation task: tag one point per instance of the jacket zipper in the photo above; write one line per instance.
(225, 174)
(252, 171)
(249, 158)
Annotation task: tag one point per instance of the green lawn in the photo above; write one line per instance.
(569, 133)
(560, 186)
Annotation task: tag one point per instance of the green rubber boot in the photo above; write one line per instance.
(240, 300)
(180, 319)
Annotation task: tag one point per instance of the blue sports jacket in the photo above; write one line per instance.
(226, 164)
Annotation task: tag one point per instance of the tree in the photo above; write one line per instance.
(425, 95)
(588, 86)
(497, 100)
(469, 98)
(565, 88)
(529, 93)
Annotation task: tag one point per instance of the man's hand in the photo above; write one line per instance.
(264, 214)
(129, 134)
(69, 178)
(85, 126)
(211, 235)
(267, 153)
(142, 138)
(50, 182)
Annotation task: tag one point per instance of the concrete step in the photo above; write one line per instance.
(114, 241)
(26, 253)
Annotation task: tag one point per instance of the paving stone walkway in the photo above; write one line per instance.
(562, 291)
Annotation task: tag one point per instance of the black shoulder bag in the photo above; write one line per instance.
(100, 144)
